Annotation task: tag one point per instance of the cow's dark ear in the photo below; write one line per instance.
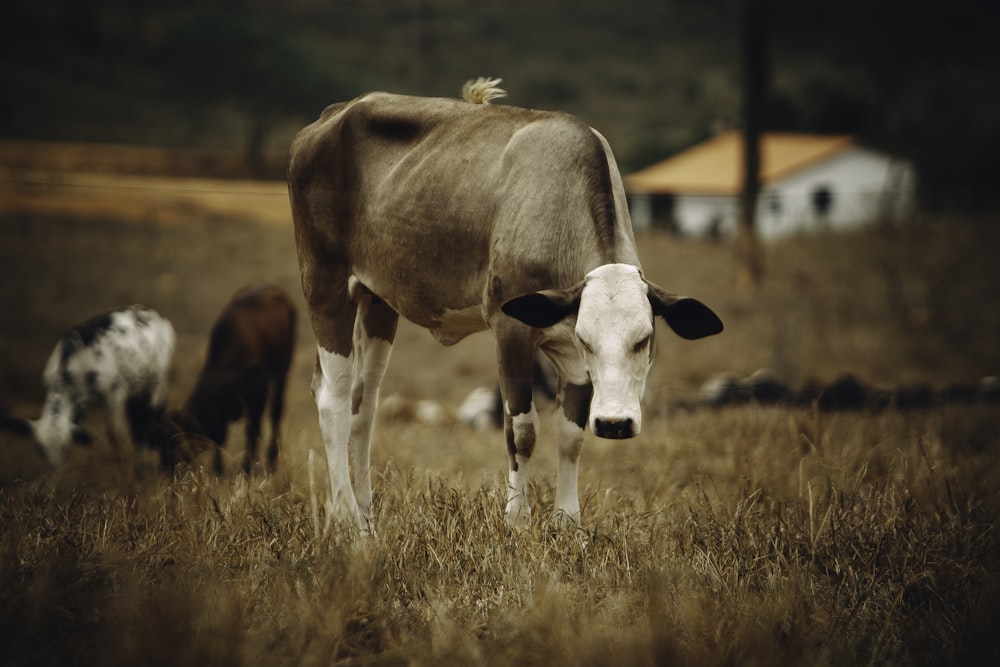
(544, 308)
(81, 436)
(689, 318)
(20, 427)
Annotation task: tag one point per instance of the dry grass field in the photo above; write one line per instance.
(745, 535)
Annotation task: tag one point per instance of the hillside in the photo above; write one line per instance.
(653, 76)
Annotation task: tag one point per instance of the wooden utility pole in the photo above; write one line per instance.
(753, 76)
(424, 61)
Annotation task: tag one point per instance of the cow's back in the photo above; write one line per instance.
(384, 152)
(427, 200)
(256, 331)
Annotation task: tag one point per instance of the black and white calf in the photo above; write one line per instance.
(119, 359)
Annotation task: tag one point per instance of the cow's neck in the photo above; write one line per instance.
(584, 255)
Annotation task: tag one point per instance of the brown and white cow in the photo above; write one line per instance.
(462, 216)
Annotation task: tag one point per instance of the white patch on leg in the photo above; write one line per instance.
(333, 401)
(517, 492)
(372, 355)
(518, 508)
(567, 493)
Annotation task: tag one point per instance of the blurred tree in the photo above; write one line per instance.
(913, 77)
(129, 72)
(753, 81)
(823, 101)
(214, 56)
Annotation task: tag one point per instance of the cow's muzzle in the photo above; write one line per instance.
(614, 429)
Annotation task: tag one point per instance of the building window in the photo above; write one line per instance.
(822, 201)
(774, 204)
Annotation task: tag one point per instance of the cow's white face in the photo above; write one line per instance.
(614, 308)
(614, 333)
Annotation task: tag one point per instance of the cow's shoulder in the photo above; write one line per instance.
(557, 137)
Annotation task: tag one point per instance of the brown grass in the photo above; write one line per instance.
(739, 536)
(732, 539)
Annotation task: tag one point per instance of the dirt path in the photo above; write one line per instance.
(138, 197)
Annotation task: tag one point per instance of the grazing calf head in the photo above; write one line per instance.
(57, 428)
(214, 403)
(614, 308)
(47, 440)
(177, 436)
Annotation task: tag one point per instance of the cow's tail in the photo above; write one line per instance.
(482, 90)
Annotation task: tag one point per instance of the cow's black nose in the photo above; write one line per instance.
(614, 429)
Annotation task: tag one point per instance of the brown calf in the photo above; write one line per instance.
(249, 353)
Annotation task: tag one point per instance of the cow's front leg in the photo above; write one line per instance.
(520, 423)
(332, 389)
(118, 424)
(521, 430)
(574, 401)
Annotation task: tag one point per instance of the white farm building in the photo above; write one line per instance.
(808, 183)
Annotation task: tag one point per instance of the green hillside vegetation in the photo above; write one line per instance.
(911, 77)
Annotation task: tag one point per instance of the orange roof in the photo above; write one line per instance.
(716, 166)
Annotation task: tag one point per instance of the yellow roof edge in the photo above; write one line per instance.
(838, 142)
(643, 181)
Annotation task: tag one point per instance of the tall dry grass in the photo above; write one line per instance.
(744, 536)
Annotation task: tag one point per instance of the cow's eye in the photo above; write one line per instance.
(641, 345)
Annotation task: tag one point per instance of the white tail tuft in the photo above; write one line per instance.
(482, 90)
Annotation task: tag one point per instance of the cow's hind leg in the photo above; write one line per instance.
(139, 412)
(119, 432)
(143, 417)
(277, 410)
(332, 389)
(332, 313)
(255, 399)
(349, 370)
(374, 332)
(119, 429)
